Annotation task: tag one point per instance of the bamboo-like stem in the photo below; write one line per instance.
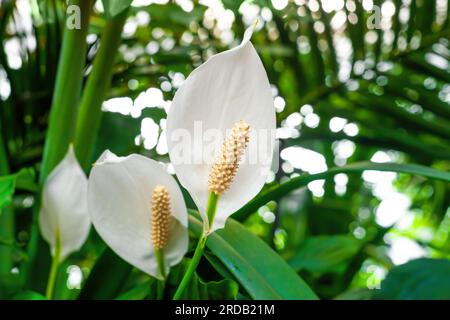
(96, 89)
(69, 78)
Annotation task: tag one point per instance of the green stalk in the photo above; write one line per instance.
(60, 131)
(211, 207)
(69, 78)
(96, 89)
(210, 213)
(159, 254)
(54, 269)
(192, 267)
(161, 284)
(6, 217)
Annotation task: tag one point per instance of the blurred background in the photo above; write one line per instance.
(351, 80)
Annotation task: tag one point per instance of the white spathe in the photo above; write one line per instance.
(64, 206)
(229, 87)
(120, 204)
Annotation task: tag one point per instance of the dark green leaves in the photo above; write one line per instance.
(416, 280)
(24, 179)
(261, 271)
(106, 278)
(139, 292)
(29, 295)
(197, 289)
(325, 253)
(113, 7)
(7, 186)
(10, 284)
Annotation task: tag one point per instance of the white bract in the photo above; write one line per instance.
(120, 204)
(64, 206)
(231, 86)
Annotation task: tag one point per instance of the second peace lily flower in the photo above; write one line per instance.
(139, 211)
(230, 91)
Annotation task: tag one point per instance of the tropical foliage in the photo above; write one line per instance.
(362, 93)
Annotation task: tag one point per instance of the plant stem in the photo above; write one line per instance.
(54, 269)
(161, 284)
(192, 267)
(97, 86)
(69, 79)
(159, 254)
(7, 223)
(210, 213)
(211, 208)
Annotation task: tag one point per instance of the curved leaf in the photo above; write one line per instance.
(113, 7)
(325, 253)
(281, 190)
(139, 292)
(24, 179)
(261, 271)
(417, 280)
(106, 278)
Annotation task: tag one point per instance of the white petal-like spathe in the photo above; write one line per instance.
(229, 87)
(64, 206)
(120, 199)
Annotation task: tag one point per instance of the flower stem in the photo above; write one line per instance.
(192, 267)
(54, 269)
(161, 284)
(210, 213)
(211, 208)
(159, 254)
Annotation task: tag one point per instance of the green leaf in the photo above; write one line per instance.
(355, 294)
(324, 253)
(139, 292)
(7, 186)
(106, 278)
(29, 295)
(10, 284)
(260, 270)
(171, 15)
(422, 279)
(24, 179)
(197, 289)
(116, 133)
(283, 189)
(113, 7)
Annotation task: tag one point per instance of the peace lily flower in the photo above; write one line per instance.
(64, 219)
(229, 94)
(139, 211)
